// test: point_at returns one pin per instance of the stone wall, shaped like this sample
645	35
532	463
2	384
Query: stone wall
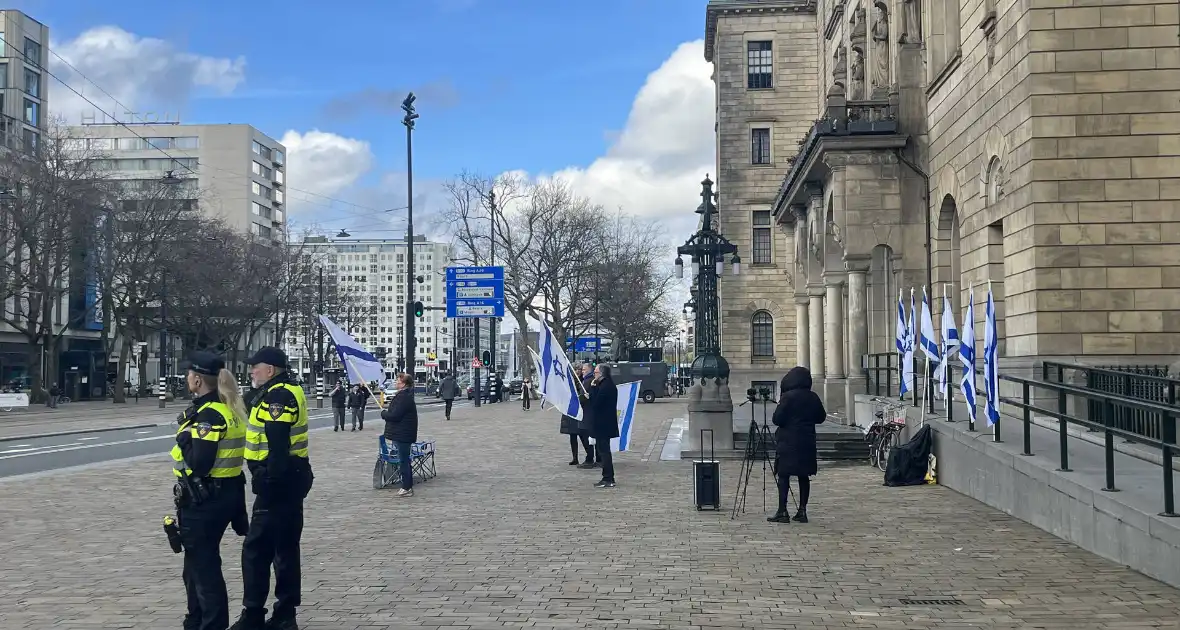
788	109
1055	143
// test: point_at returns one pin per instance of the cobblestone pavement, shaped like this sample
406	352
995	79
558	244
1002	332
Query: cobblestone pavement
509	536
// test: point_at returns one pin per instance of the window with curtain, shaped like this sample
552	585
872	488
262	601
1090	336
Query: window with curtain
762	334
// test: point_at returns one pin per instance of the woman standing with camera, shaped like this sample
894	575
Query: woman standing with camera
799	410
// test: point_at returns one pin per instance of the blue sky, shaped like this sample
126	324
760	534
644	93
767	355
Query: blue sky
536	85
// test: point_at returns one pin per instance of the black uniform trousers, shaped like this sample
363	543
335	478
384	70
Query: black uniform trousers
201	529
276	526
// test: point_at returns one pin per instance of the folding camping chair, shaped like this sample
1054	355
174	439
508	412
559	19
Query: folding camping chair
387	470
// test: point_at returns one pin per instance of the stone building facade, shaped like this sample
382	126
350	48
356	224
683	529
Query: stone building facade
1031	145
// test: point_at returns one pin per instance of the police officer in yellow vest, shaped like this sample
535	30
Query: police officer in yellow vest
281	477
210	488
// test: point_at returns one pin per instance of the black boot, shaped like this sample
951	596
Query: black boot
801	516
781	516
286	622
250	621
589	463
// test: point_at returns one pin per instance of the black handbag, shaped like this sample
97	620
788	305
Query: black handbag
569	425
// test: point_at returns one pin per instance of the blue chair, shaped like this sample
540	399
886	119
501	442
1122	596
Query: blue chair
387	470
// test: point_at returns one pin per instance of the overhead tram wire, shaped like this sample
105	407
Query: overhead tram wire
170	157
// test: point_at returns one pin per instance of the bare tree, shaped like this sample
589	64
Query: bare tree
49	200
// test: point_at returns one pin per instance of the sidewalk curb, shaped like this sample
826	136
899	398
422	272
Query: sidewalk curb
80	431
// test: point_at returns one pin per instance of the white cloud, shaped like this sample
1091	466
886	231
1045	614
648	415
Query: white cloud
139	72
656	163
323	163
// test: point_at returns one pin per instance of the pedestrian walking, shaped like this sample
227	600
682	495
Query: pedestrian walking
54	396
357	399
799	411
211	488
602	401
593	457
526	394
281	478
401	428
339	405
448	390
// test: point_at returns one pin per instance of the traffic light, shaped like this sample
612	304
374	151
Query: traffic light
487	357
418	309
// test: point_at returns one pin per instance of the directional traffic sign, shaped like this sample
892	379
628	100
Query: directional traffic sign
475	292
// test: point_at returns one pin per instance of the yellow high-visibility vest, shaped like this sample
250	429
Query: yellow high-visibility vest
257	448
229	434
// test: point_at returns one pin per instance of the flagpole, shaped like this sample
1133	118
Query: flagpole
927	386
948	371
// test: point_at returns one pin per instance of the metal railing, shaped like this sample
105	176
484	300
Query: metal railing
881	370
1166	414
1145	383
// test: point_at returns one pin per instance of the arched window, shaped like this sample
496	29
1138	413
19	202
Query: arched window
762	334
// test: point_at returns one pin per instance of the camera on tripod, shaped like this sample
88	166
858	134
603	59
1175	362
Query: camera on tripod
764	392
752	394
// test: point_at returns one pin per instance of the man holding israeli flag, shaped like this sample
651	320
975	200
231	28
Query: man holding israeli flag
967	356
950	341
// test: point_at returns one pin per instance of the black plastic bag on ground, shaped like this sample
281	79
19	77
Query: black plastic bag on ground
908	463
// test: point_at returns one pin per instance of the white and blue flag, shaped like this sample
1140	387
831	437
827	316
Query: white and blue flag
907	360
537	376
628	396
559	383
901	341
991	357
950	341
967	355
926	340
360	365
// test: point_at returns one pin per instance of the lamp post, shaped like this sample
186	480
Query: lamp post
408	121
707	250
319	350
492	341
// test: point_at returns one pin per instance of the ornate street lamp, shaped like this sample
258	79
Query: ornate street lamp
707	250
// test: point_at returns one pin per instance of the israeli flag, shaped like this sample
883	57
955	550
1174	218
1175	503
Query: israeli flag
901	342
907	359
927	341
950	341
558	380
628	396
991	352
360	365
967	355
537	376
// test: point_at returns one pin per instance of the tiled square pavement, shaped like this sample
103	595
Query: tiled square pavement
509	536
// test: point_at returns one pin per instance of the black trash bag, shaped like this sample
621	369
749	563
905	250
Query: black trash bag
909	462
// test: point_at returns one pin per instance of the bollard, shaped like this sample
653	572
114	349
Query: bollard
163	392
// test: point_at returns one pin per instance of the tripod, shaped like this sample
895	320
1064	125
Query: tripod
758	446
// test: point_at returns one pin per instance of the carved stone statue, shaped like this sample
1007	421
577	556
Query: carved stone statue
815	235
840	68
857	71
857	34
880	33
911	26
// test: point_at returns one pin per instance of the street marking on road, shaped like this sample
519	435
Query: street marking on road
141	432
87	438
18	450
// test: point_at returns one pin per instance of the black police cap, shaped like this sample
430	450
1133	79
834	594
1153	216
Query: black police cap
205	363
269	355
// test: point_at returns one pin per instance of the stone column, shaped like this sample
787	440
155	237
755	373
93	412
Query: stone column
815	307
858	328
834	382
802	331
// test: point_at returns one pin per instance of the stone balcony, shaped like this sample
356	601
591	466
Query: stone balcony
847	126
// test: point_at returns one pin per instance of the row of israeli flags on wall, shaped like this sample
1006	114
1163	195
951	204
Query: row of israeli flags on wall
561	387
941	350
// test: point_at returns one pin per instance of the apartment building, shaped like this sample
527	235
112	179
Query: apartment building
234	171
371	274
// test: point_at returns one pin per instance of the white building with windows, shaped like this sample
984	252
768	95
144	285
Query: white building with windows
24	87
236	172
372	272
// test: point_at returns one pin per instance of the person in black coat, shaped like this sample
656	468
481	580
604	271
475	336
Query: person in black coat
593	458
600	407
357	399
799	410
401	428
339	403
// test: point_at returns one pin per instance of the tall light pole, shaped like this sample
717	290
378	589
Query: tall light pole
163	337
707	250
319	350
492	341
408	121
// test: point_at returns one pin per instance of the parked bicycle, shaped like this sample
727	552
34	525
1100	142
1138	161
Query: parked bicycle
885	432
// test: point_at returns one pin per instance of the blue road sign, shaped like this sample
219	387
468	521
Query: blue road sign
475	292
584	344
